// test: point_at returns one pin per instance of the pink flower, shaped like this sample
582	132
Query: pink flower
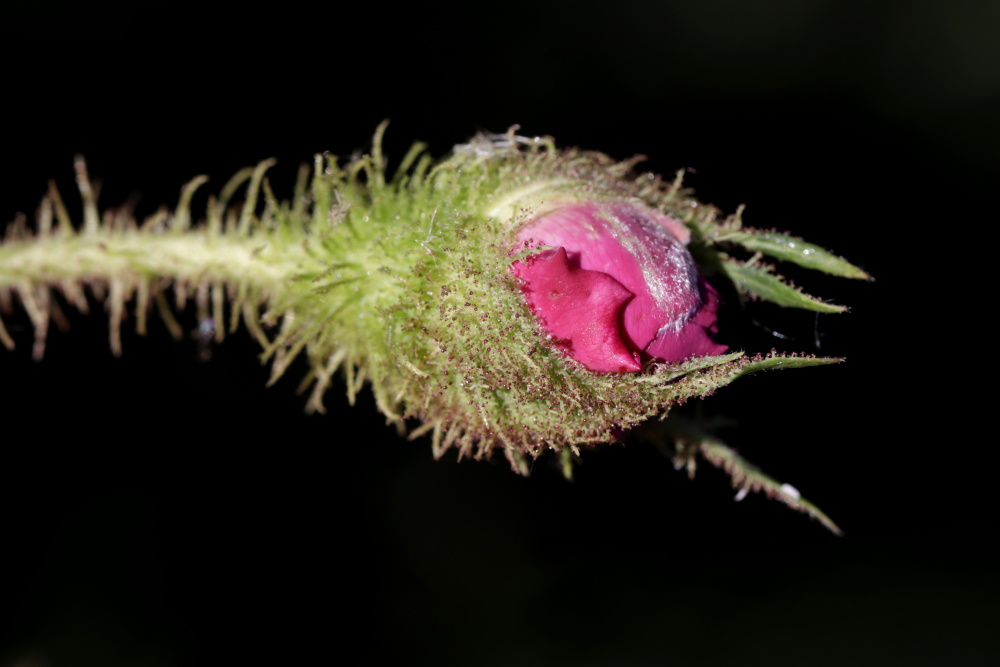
618	287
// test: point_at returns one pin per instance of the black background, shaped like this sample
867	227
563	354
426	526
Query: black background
156	509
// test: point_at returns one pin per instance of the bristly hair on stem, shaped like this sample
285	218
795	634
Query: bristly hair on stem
401	284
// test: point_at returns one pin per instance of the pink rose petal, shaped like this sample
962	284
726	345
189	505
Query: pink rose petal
671	313
580	308
695	338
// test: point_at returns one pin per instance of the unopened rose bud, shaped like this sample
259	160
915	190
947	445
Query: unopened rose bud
512	298
618	287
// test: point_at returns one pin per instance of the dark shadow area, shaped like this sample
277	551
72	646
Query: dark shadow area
161	510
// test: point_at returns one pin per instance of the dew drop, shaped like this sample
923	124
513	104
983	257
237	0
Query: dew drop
790	491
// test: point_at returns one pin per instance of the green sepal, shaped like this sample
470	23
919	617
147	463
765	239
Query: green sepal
793	249
686	439
663	372
725	370
780	362
747	477
759	280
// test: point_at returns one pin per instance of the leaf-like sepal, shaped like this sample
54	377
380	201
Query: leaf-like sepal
778	362
728	368
759	280
793	249
747	477
686	440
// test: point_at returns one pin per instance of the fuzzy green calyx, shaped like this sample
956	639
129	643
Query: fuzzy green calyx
402	283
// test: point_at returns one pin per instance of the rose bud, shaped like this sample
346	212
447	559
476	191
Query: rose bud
512	298
618	286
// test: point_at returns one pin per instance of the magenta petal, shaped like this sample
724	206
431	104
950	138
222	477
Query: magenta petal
636	249
671	314
578	307
694	339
